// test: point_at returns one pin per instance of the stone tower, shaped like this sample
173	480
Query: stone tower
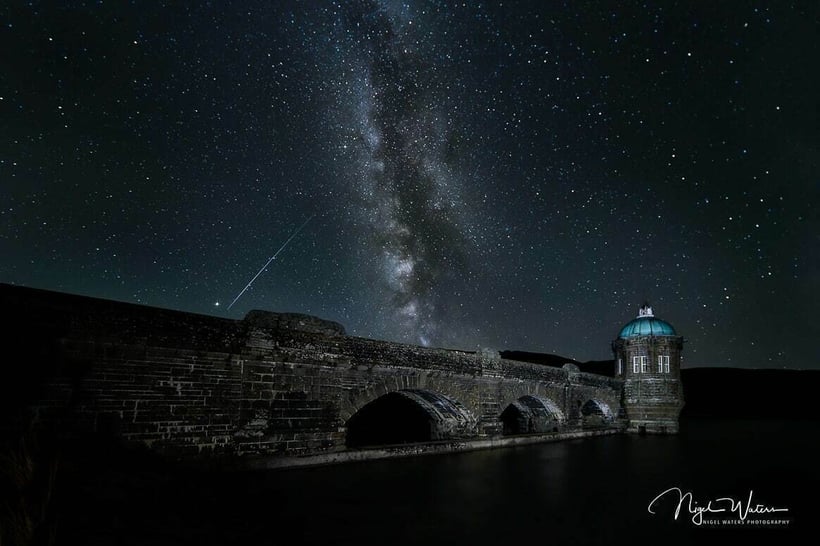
648	358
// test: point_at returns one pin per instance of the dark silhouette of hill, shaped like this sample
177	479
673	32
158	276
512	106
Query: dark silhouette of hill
600	367
537	358
738	392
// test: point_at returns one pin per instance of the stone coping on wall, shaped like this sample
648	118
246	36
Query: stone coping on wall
372	352
79	318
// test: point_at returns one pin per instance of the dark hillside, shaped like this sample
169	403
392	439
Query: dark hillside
737	392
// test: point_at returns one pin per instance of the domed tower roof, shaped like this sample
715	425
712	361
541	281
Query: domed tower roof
645	324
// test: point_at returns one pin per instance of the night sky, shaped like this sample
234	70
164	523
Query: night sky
472	175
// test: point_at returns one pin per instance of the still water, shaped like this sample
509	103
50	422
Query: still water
593	491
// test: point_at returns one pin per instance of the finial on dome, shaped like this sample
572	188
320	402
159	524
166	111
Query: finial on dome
645	310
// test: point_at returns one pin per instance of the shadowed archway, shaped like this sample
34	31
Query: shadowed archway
531	414
595	413
408	416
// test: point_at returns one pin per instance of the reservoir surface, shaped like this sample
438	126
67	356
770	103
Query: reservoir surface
588	491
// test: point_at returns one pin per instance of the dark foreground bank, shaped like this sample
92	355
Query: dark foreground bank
590	491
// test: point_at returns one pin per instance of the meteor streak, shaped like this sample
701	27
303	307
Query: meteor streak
281	248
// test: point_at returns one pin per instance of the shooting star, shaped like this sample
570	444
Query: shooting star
281	248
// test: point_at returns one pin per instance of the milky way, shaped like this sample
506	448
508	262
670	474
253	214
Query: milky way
410	195
482	175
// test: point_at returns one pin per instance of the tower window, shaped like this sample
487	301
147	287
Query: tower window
643	364
663	363
620	367
639	364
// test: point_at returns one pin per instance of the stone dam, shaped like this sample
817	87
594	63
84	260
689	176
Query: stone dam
273	389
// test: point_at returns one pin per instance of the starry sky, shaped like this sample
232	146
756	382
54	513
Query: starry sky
516	175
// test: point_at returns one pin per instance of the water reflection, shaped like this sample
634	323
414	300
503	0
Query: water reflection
591	491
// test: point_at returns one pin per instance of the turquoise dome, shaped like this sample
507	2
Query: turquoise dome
647	325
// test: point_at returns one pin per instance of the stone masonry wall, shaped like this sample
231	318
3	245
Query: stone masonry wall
273	384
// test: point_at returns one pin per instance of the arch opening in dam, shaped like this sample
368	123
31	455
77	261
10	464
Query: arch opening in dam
408	416
530	415
596	414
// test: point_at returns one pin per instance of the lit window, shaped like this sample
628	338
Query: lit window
643	364
620	367
663	363
636	364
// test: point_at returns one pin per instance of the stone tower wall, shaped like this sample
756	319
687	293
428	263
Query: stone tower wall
652	399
